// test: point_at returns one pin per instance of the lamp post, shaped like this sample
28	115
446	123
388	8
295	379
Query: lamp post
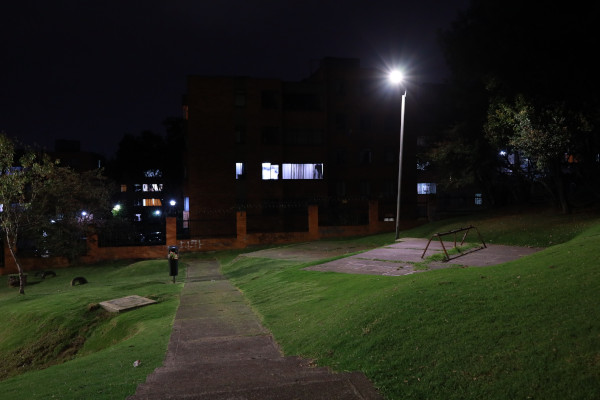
396	77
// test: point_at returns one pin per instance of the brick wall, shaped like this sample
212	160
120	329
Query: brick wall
241	240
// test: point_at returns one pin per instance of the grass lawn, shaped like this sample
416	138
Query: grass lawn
56	342
528	329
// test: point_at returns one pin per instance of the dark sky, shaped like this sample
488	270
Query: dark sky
94	70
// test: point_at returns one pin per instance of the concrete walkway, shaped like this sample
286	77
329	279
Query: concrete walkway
409	256
219	350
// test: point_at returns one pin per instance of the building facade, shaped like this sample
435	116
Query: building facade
272	148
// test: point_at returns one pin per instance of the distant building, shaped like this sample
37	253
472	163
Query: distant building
271	147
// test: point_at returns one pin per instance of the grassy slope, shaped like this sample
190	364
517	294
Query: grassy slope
525	329
55	322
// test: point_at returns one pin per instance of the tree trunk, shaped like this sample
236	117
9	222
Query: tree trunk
12	253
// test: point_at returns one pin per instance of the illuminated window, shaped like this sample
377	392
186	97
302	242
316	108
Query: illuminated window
123	188
153	187
153	173
478	199
302	171
186	212
270	171
240	170
151	202
426	188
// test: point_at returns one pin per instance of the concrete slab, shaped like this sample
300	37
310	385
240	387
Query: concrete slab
126	303
410	255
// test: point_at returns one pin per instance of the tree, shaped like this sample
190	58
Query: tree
545	137
541	89
44	202
138	154
21	183
72	203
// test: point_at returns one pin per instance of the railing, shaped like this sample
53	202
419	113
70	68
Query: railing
454	232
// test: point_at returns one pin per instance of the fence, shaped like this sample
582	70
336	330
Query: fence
99	251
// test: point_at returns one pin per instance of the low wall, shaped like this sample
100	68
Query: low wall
242	240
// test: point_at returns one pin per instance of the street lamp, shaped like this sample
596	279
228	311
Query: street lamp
396	77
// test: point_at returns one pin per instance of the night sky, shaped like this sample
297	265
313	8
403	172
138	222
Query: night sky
95	70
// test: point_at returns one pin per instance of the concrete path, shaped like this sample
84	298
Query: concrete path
219	350
406	257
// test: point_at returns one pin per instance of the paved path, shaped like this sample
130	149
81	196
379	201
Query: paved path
219	350
405	257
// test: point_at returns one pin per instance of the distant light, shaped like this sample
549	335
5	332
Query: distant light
83	213
502	153
396	76
172	202
117	207
157	212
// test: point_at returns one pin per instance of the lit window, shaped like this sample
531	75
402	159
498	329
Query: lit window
270	171
240	170
186	212
302	171
151	202
123	188
153	187
426	188
478	199
153	173
186	219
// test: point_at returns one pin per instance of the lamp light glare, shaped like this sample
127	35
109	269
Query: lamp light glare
396	76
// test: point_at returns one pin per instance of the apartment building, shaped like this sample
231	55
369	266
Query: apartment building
271	148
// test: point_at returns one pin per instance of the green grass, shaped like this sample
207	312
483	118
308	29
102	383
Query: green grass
56	342
528	329
530	227
525	329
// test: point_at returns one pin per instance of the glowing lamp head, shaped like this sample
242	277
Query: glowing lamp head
396	76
